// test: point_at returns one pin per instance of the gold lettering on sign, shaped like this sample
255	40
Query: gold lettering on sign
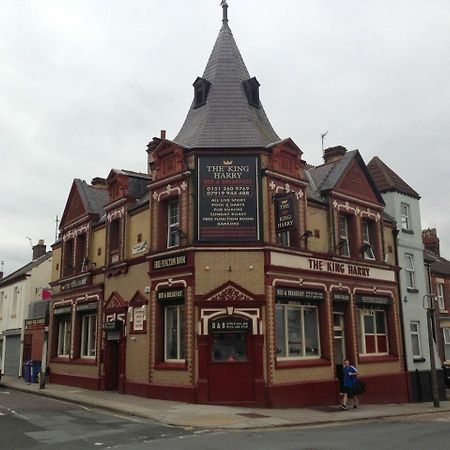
337	267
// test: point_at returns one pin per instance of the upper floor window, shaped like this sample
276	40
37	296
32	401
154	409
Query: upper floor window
343	245
201	89
2	299
284	238
414	327
405	217
440	295
410	271
114	241
15	301
68	268
81	254
367	245
251	88
173	223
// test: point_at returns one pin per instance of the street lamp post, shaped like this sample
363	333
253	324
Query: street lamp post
428	301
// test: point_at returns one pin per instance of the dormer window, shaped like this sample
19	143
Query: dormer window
201	88
251	88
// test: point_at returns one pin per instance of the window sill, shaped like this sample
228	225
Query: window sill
407	231
299	363
78	361
412	290
377	358
171	366
419	359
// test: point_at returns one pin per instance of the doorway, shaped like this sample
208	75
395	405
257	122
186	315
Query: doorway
339	344
112	360
231	363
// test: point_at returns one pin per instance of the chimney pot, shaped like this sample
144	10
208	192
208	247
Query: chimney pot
163	134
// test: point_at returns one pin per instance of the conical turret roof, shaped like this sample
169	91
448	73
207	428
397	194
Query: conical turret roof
227	118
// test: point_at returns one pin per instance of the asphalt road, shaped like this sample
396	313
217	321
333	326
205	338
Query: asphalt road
32	422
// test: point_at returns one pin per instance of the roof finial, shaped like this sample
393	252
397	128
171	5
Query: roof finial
224	6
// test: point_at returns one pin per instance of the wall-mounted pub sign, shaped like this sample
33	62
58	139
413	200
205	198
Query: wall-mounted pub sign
228	199
285	213
169	261
76	283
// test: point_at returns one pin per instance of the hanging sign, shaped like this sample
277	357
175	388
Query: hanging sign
285	215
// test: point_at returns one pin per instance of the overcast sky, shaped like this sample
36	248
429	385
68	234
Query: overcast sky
85	85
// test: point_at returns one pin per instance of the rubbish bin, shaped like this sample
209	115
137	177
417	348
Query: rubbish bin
35	367
27	371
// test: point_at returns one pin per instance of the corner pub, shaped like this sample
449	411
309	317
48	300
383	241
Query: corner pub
232	272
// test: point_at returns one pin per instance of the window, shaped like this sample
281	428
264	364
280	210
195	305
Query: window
344	248
410	275
440	295
446	332
15	301
88	335
64	334
68	258
373	336
201	88
174	348
173	224
367	246
415	339
404	216
114	241
80	255
284	238
251	88
2	299
229	346
297	331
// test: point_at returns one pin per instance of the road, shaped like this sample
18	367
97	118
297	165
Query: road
32	422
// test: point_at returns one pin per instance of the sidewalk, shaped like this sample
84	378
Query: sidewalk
210	416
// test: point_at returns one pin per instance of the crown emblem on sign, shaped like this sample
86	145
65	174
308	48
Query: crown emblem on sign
227	163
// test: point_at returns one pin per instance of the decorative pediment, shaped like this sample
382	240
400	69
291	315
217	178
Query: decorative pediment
229	292
115	302
75	207
138	299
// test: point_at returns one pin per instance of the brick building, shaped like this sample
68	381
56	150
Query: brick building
259	273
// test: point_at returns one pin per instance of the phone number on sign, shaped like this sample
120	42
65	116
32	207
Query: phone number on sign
227	190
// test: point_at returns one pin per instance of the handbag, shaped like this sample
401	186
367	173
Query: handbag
359	387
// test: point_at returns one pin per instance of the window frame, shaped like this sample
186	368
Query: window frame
173	228
416	334
344	249
65	343
405	221
446	340
284	238
301	307
410	271
372	312
440	293
86	335
368	254
181	333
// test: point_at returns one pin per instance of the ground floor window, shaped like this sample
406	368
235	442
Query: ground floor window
446	332
64	335
174	331
88	335
372	331
297	331
414	327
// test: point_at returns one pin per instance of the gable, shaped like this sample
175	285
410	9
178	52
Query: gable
356	183
74	208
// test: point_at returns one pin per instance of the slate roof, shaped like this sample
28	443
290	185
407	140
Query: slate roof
226	119
93	198
387	180
20	273
439	264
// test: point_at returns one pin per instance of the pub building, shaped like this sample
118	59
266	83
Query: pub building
261	272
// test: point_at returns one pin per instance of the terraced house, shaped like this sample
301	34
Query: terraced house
233	272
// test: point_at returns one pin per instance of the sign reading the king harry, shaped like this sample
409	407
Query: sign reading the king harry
285	213
228	199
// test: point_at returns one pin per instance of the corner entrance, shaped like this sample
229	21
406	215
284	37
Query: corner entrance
231	361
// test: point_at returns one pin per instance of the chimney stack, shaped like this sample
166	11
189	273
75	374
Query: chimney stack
333	154
431	241
99	183
39	249
163	134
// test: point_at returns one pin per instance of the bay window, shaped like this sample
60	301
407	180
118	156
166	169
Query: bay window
297	331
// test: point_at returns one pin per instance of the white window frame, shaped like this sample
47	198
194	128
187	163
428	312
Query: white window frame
284	238
15	301
343	235
415	334
405	216
64	336
446	335
301	308
372	313
368	253
173	223
88	342
2	301
410	271
440	295
181	330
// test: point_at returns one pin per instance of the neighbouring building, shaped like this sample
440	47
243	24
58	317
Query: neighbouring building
19	291
402	203
233	272
440	286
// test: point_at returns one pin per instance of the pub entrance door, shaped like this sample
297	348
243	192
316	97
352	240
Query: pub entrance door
231	363
112	360
339	344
